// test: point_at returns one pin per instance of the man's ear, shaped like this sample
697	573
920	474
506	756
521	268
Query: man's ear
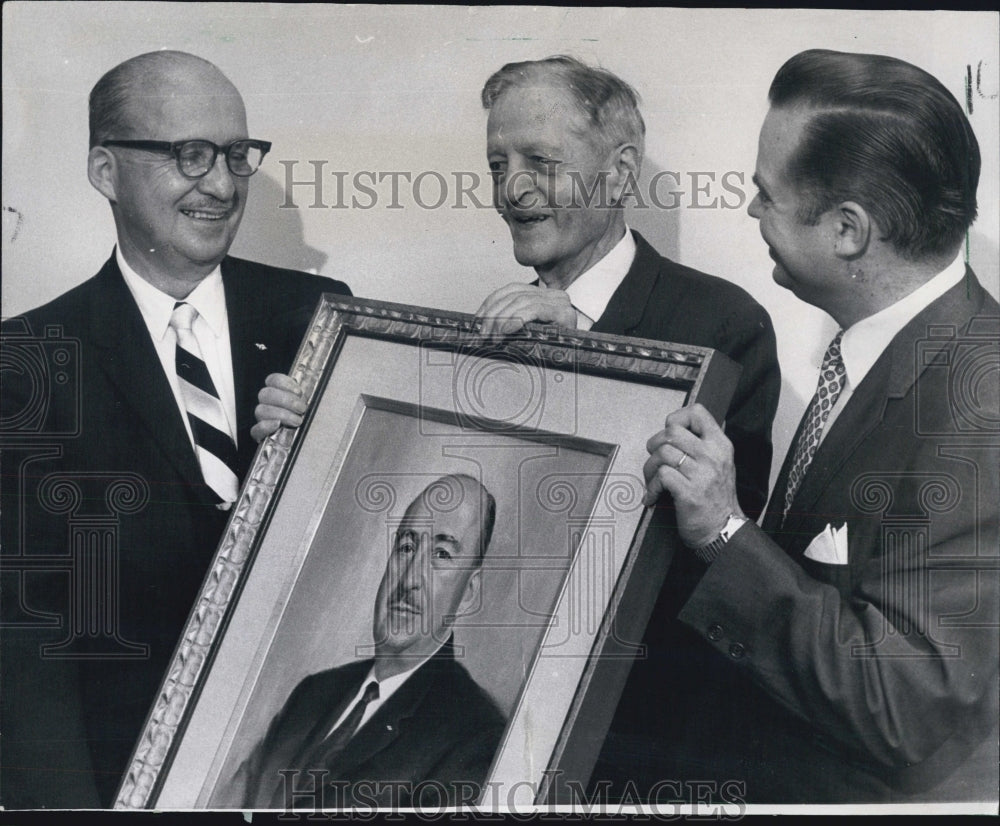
626	172
853	228
472	588
102	170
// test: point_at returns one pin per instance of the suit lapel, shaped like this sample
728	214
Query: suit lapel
343	686
251	333
892	376
386	724
242	310
128	358
862	414
627	304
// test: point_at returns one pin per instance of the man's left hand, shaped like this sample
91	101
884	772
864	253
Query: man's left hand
281	403
692	460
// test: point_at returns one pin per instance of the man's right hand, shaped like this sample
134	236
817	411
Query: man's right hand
281	403
507	310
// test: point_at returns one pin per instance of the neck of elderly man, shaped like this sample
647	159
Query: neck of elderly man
561	274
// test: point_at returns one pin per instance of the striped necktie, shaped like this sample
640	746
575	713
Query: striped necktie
214	445
831	381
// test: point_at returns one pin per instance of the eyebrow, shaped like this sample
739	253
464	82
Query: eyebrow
438	537
759	184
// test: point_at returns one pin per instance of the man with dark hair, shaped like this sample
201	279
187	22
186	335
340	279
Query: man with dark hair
565	145
110	524
855	634
411	720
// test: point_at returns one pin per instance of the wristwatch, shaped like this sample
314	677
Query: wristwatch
708	552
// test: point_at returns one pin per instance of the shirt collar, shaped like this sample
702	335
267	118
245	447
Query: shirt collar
866	340
592	289
208	298
390	684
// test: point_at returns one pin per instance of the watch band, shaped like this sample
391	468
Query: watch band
708	552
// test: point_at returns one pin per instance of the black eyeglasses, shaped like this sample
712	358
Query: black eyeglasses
195	158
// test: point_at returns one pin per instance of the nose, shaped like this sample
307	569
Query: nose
753	210
218	181
520	186
413	567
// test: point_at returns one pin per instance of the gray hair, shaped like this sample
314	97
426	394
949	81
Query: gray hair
608	102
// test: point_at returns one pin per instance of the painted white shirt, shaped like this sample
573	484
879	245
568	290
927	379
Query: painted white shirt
386	688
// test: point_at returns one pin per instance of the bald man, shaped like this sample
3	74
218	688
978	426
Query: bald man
170	343
410	726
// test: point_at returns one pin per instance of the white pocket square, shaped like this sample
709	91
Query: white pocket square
829	546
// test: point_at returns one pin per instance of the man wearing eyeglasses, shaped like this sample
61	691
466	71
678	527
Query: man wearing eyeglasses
175	339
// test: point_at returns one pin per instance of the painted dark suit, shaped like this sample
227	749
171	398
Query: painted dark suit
436	734
94	438
873	680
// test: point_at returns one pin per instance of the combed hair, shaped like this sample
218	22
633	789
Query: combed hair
111	95
889	136
608	102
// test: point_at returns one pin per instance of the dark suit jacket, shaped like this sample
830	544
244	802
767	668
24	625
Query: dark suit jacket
874	680
112	418
662	300
439	729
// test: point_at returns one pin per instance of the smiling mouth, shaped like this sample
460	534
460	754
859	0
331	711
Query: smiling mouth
207	215
526	220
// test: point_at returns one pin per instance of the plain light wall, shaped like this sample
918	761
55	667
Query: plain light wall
395	89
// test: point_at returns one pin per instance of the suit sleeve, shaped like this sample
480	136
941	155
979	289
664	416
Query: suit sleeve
247	788
877	668
747	337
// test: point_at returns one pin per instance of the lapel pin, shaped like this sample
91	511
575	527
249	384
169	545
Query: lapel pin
388	727
260	346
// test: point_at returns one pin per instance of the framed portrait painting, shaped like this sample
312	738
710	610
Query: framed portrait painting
459	523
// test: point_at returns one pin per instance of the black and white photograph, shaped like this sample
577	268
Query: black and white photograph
495	409
494	550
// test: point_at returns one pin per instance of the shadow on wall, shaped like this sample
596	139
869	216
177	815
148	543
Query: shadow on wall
984	258
658	221
272	235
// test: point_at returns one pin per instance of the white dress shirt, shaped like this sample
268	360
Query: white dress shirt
592	290
386	688
866	340
211	328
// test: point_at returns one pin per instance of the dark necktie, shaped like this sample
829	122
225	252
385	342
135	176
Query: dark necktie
831	381
214	444
322	755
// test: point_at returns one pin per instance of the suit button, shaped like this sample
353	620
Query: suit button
715	632
736	650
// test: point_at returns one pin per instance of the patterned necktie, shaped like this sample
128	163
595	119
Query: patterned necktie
214	445
831	381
